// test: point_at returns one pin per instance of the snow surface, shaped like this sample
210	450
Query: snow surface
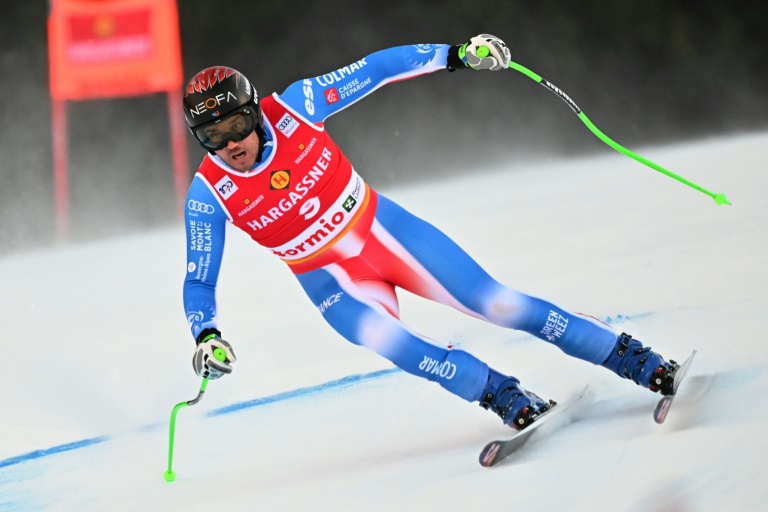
96	353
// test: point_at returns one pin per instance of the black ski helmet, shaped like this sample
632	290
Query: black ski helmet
216	92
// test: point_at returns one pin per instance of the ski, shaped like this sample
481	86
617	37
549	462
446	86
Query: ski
662	408
497	451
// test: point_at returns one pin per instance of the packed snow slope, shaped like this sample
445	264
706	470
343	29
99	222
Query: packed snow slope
96	352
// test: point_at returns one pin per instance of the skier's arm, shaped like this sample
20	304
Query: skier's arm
319	97
205	222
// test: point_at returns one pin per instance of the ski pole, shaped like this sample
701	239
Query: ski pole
169	475
719	198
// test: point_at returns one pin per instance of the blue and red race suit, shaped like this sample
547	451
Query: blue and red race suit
349	247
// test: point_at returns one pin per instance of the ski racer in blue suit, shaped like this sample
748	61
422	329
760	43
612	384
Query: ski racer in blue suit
274	172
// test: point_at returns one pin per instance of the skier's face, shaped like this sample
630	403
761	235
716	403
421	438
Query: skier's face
241	155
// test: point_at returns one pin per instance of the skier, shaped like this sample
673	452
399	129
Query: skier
273	171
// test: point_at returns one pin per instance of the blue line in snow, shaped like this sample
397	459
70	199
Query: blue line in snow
296	393
51	451
288	395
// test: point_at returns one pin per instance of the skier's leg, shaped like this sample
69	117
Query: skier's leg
365	311
416	256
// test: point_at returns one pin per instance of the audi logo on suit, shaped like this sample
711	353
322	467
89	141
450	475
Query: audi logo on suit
197	206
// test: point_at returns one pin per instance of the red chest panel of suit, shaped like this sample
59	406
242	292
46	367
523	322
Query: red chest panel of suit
301	198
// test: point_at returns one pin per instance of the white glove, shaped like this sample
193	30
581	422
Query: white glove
213	358
497	57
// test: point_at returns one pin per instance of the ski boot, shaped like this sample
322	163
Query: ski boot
516	406
630	360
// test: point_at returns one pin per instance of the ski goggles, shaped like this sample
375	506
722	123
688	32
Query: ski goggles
232	127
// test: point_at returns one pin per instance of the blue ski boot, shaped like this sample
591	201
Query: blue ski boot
516	406
630	360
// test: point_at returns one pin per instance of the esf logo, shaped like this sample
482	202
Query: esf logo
309	104
197	206
211	103
226	187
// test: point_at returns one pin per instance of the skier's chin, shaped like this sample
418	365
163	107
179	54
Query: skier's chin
241	160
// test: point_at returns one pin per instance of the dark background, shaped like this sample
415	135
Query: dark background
646	72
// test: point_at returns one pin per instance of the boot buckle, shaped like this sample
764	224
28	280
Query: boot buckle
486	401
623	343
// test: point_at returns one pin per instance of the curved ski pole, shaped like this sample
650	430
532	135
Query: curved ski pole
169	475
719	198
